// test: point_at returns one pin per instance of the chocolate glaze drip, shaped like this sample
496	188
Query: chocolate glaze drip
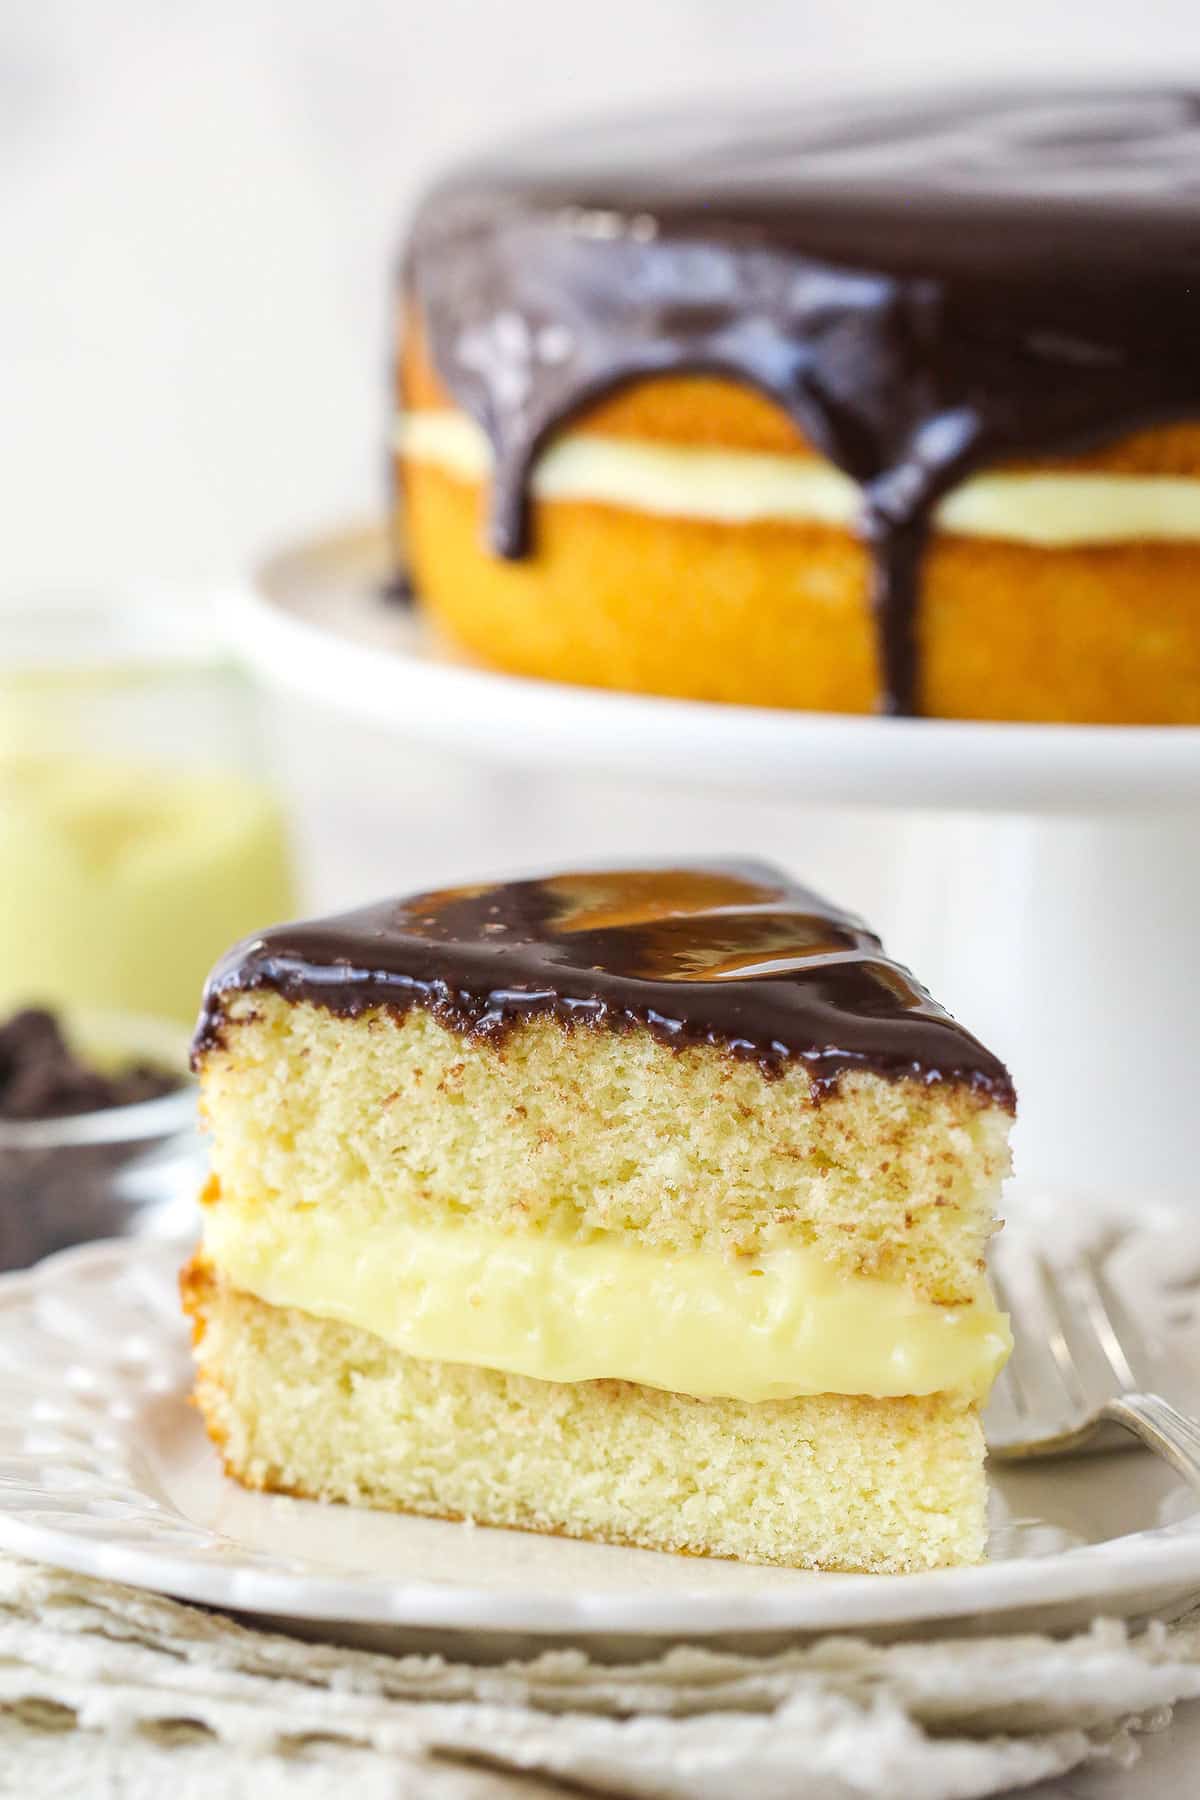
925	287
733	955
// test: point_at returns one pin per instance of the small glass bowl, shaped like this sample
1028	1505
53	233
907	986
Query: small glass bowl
119	1172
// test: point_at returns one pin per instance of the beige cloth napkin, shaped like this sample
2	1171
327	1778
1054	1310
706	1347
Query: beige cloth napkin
108	1691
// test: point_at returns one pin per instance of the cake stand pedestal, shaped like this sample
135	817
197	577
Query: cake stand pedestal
1046	886
1072	946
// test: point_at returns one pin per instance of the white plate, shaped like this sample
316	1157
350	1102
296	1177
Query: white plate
314	623
104	1469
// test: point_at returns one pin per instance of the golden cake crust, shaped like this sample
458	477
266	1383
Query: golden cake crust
777	613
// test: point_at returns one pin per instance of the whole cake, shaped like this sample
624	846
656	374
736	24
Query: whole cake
648	1206
848	407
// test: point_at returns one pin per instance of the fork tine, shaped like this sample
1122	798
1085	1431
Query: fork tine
1073	1384
1139	1337
1038	1373
1056	1322
1092	1302
1101	1362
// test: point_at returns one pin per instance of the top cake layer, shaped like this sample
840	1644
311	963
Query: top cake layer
733	955
927	287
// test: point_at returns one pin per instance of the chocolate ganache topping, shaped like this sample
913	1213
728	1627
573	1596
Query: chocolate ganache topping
730	954
925	286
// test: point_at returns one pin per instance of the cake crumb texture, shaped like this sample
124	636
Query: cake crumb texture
304	1406
585	1132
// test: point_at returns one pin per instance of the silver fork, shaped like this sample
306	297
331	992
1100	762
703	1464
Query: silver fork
1078	1379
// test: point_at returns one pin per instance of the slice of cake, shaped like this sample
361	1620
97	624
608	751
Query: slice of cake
646	1206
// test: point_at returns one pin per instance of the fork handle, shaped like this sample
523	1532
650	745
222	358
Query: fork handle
1161	1428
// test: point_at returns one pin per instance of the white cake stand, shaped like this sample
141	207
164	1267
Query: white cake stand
1049	887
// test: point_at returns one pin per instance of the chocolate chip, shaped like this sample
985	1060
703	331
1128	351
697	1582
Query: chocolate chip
41	1077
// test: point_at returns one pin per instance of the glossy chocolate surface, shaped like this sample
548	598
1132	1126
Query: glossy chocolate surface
734	955
926	287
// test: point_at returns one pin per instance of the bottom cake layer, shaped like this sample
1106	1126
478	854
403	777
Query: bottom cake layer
304	1406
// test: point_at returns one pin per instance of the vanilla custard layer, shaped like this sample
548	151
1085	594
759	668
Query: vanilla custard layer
739	486
771	1327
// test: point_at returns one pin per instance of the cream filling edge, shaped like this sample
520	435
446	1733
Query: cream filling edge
771	1327
739	487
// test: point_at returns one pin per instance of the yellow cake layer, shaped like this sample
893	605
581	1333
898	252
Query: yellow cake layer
776	612
313	1407
696	1322
388	1121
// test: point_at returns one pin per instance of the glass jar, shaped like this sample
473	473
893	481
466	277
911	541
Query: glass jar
139	836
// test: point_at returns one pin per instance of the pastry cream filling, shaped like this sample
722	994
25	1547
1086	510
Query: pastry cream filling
740	486
123	878
747	1328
